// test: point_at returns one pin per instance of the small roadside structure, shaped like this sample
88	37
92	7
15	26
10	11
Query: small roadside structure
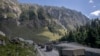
72	52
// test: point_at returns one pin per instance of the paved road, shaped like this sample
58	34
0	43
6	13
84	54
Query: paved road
51	53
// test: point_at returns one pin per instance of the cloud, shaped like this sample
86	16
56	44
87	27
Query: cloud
95	13
94	6
91	1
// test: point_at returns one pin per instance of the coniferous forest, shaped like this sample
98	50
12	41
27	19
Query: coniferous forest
88	35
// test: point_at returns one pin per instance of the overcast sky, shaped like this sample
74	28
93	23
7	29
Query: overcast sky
90	8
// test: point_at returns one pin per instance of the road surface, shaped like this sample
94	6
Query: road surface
49	53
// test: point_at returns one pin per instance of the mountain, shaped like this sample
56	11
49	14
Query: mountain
33	21
70	19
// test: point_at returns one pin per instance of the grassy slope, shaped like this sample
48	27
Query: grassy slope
52	36
38	35
15	49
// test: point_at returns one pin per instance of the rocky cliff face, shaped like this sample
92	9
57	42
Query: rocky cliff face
24	19
70	19
9	8
48	15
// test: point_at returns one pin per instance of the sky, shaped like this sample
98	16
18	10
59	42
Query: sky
90	8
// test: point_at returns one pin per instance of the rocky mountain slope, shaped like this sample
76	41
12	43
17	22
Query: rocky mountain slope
32	21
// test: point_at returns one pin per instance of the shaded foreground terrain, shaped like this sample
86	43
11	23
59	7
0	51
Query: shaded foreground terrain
9	48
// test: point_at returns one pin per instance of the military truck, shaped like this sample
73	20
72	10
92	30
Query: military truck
49	48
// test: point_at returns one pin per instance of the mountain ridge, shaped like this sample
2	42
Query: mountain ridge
36	21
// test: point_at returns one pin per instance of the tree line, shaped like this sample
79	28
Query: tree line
88	35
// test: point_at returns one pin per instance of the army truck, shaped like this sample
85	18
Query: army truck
49	47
